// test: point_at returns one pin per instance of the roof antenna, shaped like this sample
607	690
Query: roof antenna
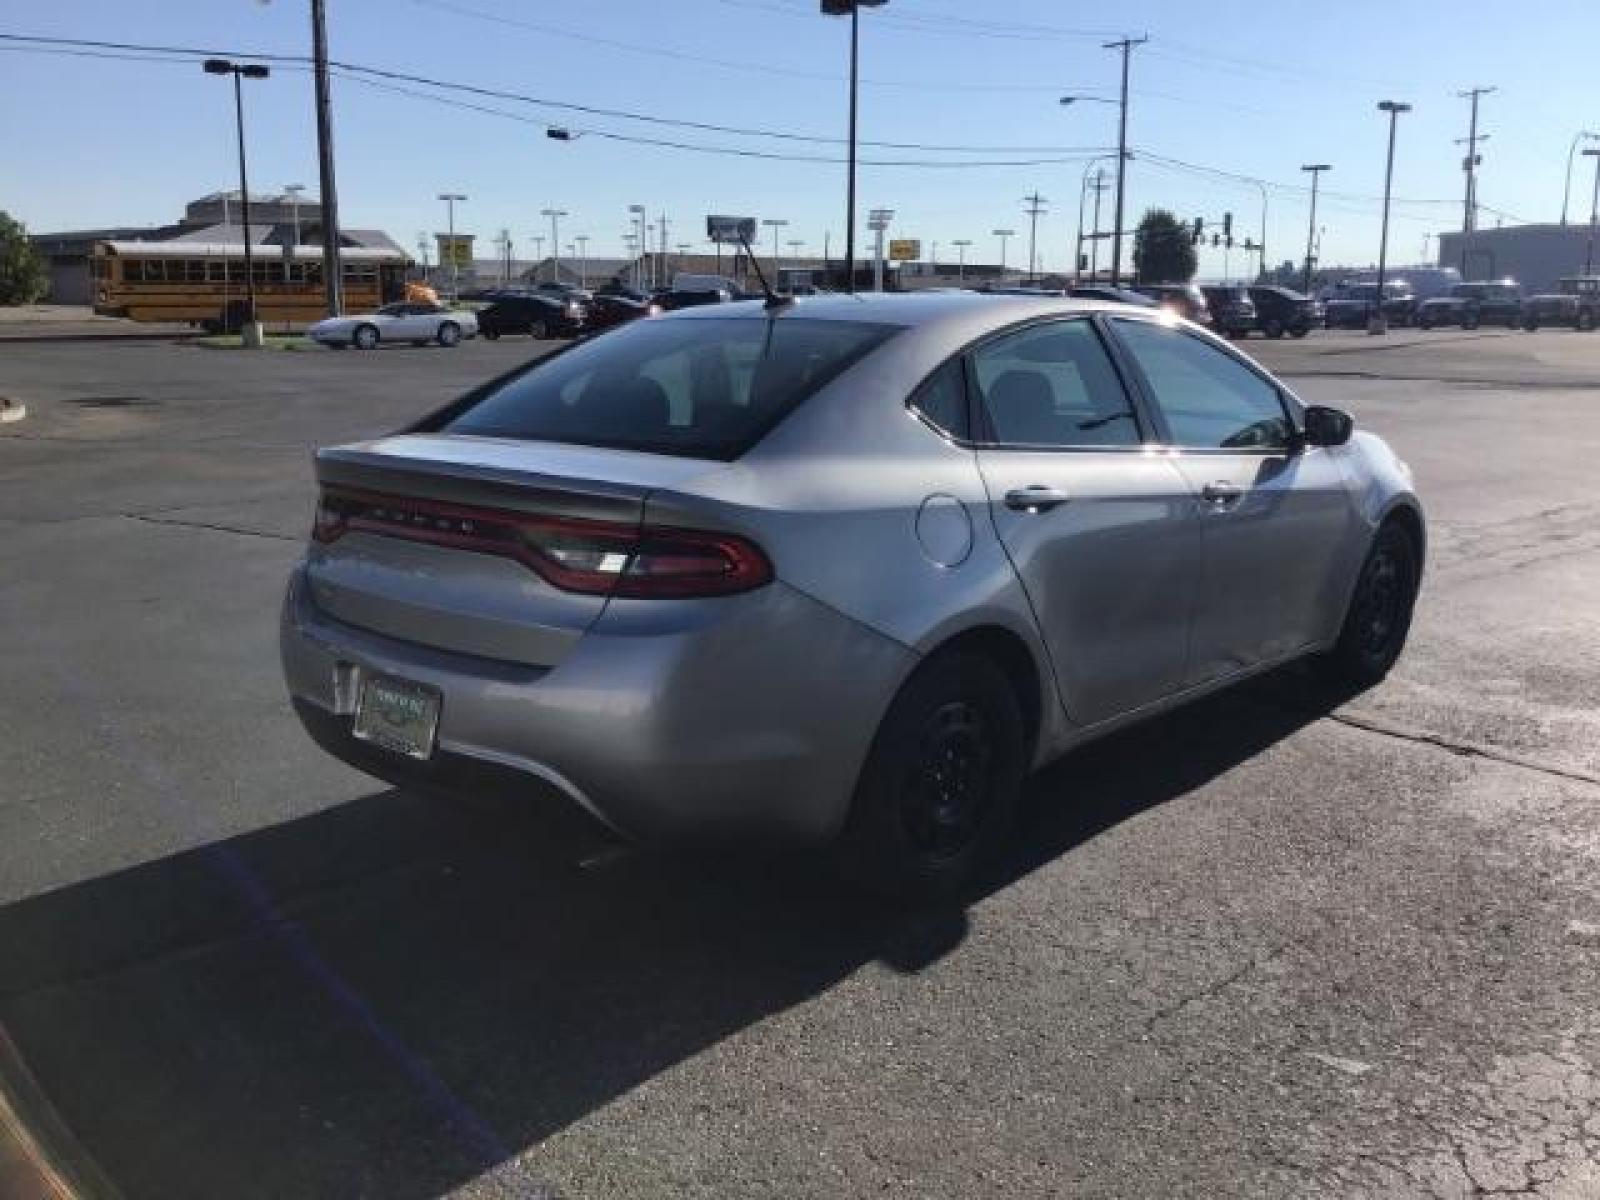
774	299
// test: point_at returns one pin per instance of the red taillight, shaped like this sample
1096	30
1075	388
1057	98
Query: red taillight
596	558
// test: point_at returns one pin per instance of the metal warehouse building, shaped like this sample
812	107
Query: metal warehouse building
1534	255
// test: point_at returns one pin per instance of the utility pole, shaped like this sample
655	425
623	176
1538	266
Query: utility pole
1125	45
1379	323
1469	215
1316	170
332	271
1033	205
1100	185
1003	234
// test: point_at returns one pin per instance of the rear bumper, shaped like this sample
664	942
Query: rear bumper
745	718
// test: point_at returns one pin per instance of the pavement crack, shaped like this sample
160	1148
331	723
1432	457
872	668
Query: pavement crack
1215	987
217	527
1464	749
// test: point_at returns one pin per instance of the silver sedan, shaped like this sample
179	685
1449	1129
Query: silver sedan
841	570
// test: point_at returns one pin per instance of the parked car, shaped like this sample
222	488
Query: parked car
615	287
1185	299
605	312
1115	295
1233	313
536	314
1471	304
703	577
1281	310
418	323
672	299
570	291
1575	302
1352	304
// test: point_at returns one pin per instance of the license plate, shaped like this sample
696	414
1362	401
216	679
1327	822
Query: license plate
399	716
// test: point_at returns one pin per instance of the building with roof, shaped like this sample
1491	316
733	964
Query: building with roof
1536	256
277	224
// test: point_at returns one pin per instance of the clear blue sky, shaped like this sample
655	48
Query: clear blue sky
1236	85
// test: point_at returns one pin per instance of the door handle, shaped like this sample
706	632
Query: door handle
1035	498
1221	492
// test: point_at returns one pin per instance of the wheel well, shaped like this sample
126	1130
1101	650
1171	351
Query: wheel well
1011	653
1407	519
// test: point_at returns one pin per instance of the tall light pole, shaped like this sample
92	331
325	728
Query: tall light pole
1566	192
1033	205
538	254
293	190
851	8
1262	248
422	253
1003	234
450	199
1125	45
1083	186
795	246
332	270
583	259
1378	323
638	267
1594	208
1316	170
961	245
555	215
250	336
775	224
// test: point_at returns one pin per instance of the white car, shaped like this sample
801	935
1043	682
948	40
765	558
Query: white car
419	323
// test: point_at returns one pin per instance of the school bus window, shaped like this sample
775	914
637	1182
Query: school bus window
194	271
217	272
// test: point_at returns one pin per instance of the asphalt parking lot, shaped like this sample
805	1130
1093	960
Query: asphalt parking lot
1280	944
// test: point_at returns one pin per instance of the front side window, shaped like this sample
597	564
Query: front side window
1053	385
702	389
1209	399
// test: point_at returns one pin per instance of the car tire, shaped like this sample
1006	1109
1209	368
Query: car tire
1585	321
1379	616
490	335
449	334
1424	322
1469	321
538	331
1513	322
365	337
1272	327
1300	331
934	803
1530	325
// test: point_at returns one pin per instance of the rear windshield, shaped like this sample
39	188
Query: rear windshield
702	388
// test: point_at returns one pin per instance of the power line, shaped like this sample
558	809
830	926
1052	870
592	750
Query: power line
562	105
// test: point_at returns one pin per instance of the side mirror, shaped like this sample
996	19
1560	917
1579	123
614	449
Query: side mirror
1328	426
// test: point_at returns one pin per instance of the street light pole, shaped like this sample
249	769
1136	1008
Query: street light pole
961	245
555	215
450	199
1594	209
1316	170
293	190
538	254
775	224
638	267
852	8
1126	45
1378	323
582	241
251	335
1003	234
1566	192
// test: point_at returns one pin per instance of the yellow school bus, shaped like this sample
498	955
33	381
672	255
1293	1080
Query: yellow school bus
204	284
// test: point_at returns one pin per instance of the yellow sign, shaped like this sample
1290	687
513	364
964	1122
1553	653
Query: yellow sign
454	250
904	249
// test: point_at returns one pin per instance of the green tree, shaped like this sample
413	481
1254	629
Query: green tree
22	275
1162	252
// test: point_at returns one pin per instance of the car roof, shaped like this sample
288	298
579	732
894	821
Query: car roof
909	309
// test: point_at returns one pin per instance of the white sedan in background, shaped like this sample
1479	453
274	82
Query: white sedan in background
408	321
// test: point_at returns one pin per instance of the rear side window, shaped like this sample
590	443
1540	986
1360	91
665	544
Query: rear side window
700	388
1053	385
942	400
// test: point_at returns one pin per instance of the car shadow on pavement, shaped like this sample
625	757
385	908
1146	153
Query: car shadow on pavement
390	997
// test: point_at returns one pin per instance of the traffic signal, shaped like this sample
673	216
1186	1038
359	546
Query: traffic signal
1199	230
1227	224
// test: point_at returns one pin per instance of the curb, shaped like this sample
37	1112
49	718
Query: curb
11	410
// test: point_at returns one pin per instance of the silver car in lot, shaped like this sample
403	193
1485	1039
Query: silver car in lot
841	570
